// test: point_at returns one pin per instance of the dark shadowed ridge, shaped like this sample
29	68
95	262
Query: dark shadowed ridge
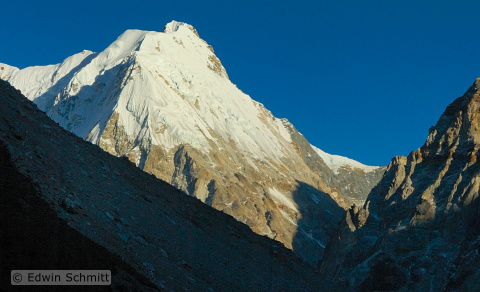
34	238
320	216
146	231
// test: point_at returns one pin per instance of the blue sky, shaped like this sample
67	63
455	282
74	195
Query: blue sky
362	79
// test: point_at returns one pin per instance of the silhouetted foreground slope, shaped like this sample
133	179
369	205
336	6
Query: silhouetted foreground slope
34	238
174	240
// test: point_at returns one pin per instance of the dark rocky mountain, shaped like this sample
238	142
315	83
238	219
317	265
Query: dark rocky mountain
420	227
66	203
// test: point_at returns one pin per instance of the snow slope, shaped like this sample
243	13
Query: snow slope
166	86
173	81
335	162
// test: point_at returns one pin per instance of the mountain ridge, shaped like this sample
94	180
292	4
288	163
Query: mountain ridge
419	225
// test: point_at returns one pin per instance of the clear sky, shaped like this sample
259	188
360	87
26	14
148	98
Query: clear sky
362	79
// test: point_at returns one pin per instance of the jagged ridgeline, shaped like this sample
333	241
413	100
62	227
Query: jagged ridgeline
67	204
164	101
420	227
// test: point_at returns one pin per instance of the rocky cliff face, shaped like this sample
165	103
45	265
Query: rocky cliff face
346	179
354	183
164	101
419	228
150	234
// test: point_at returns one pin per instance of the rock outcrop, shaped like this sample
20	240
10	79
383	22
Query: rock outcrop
419	228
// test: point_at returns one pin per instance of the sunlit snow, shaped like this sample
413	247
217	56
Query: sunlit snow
281	198
168	88
335	162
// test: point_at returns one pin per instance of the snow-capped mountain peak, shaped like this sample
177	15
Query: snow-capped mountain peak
174	26
164	100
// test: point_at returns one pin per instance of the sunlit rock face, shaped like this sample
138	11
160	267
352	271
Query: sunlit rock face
419	228
164	101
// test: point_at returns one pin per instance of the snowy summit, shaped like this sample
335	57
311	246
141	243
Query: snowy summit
164	100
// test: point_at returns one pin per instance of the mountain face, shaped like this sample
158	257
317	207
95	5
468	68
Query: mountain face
420	227
164	101
67	204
